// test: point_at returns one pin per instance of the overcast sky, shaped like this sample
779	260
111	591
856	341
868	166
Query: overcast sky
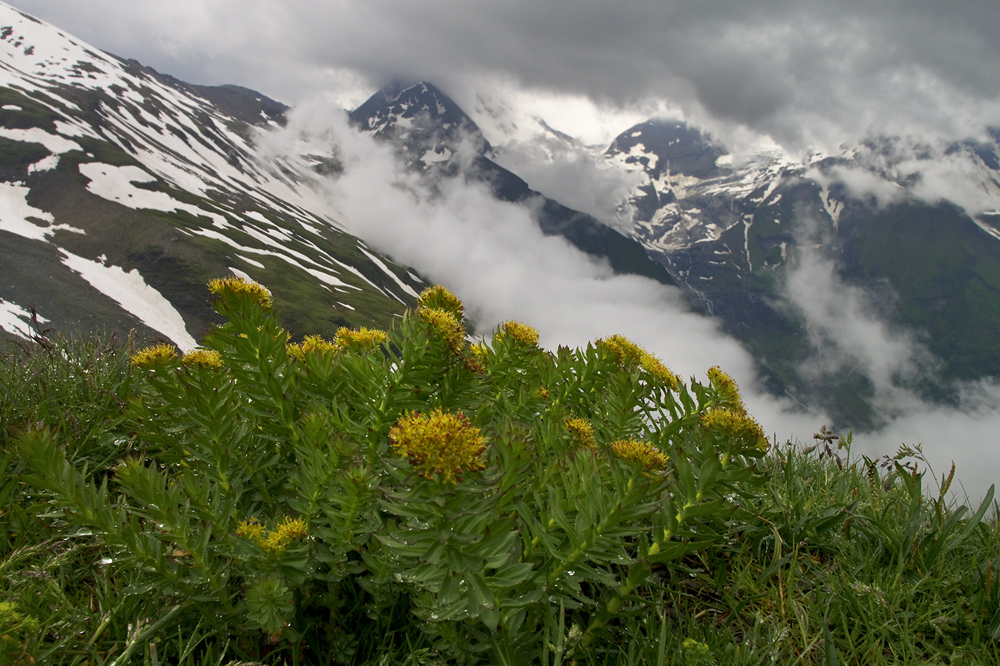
807	73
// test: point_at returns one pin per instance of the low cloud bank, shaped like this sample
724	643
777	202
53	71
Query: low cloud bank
850	332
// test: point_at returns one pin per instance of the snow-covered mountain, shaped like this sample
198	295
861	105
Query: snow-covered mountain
798	256
123	191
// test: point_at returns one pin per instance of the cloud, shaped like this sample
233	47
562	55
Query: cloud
574	176
807	73
849	330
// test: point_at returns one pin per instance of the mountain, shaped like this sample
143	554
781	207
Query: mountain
925	261
434	136
123	191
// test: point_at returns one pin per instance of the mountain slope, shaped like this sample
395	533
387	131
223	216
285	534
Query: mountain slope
124	191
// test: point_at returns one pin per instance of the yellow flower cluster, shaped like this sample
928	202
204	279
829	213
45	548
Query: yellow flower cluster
627	351
643	453
311	344
439	298
661	373
521	333
446	325
236	285
362	339
726	389
475	359
439	443
203	358
276	540
155	355
630	354
736	423
582	432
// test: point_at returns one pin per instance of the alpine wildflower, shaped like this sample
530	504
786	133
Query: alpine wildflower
362	339
627	351
439	443
726	389
154	356
737	424
439	298
311	344
257	293
276	540
582	432
644	453
203	358
446	325
520	333
658	371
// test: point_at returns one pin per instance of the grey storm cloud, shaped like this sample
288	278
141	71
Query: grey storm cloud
800	71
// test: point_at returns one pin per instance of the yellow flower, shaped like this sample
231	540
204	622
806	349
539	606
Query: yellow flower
643	453
661	373
522	333
311	344
735	423
439	298
364	339
627	351
446	325
439	443
156	355
630	354
235	285
726	390
205	358
582	432
276	540
251	529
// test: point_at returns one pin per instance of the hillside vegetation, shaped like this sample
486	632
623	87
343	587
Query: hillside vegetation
406	497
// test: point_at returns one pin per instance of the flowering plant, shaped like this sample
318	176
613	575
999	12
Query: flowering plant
504	500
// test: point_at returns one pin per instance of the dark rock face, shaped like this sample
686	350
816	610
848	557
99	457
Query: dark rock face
678	147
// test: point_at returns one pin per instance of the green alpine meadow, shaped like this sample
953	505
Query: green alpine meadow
411	497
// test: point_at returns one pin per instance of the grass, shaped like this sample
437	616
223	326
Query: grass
837	559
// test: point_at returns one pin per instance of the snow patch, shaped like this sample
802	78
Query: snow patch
385	269
131	292
54	143
251	261
116	184
15	211
15	319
